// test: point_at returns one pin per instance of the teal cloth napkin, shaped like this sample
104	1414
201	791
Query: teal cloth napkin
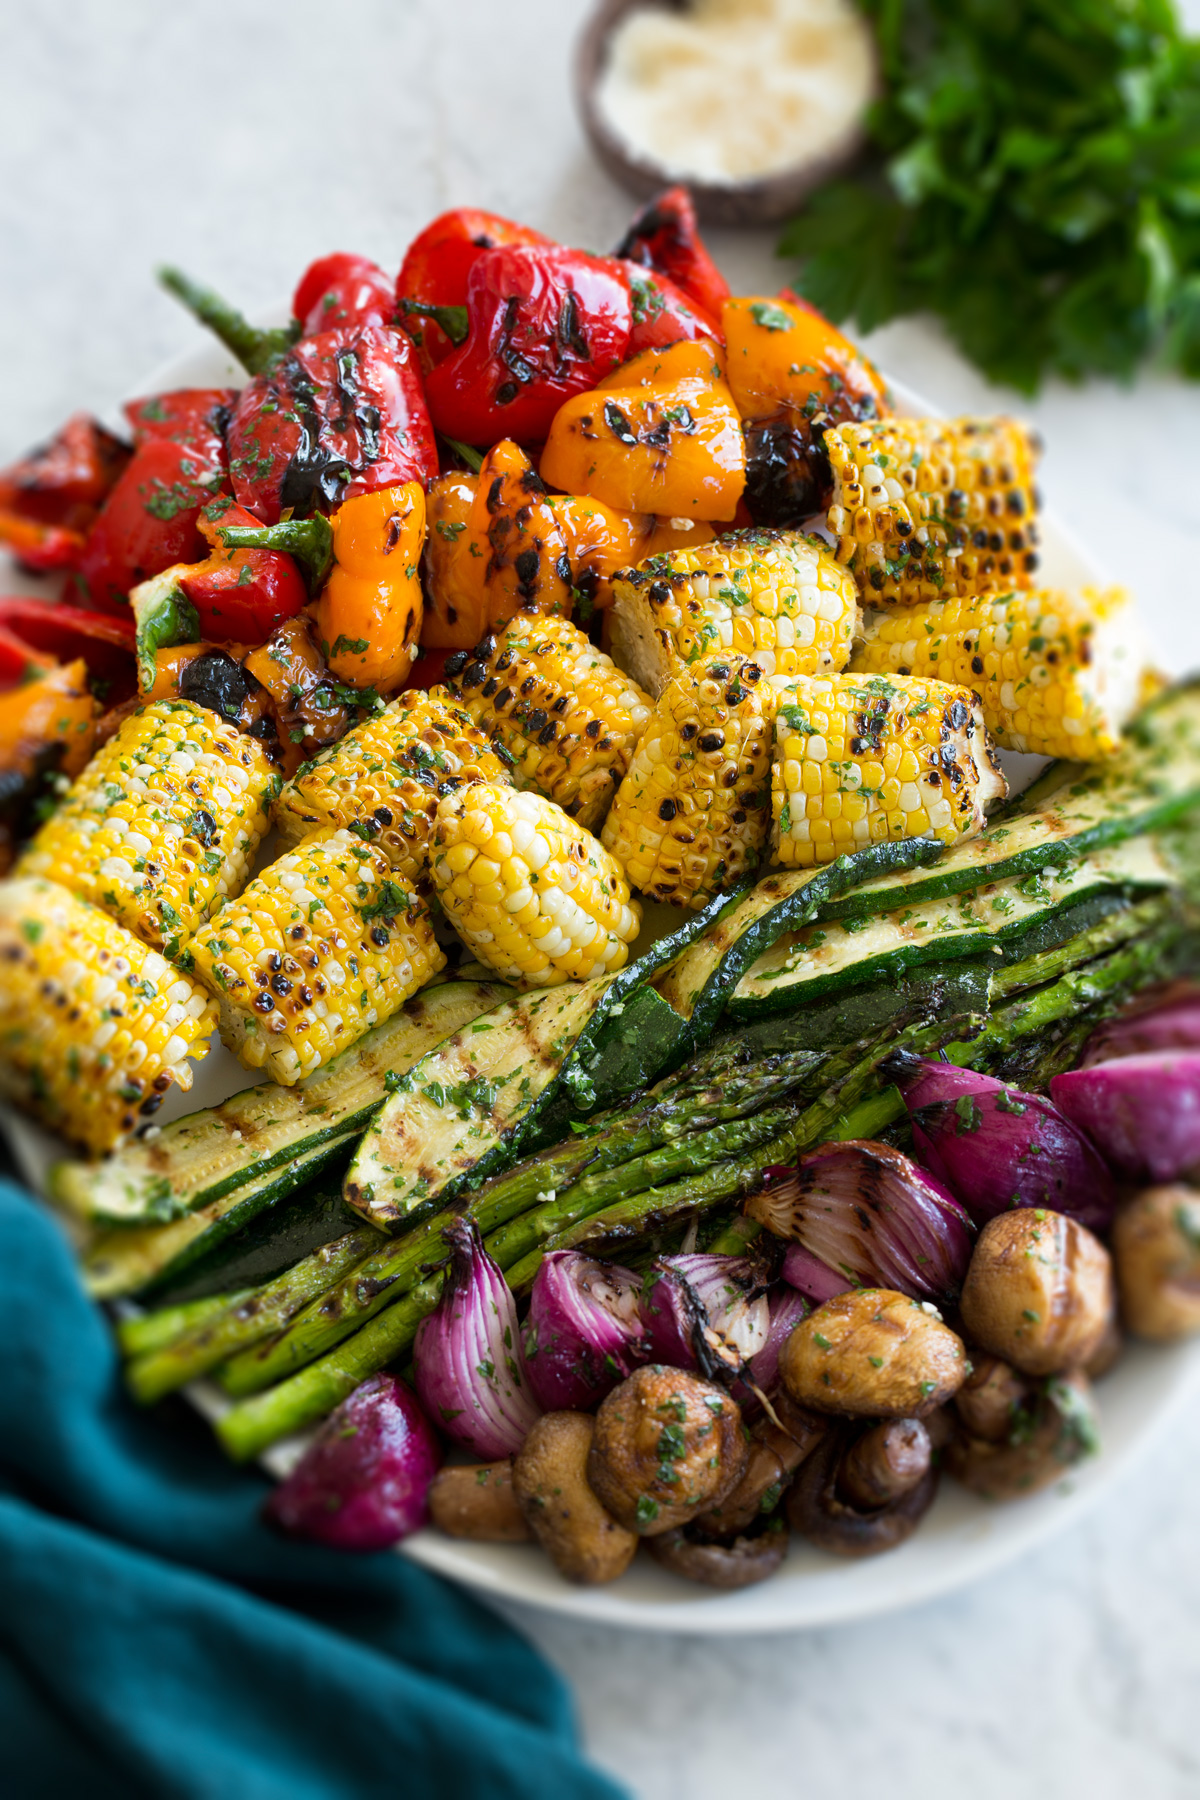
156	1639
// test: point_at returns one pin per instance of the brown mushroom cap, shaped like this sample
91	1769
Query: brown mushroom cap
550	1481
476	1501
1054	1431
667	1446
1156	1246
817	1510
777	1447
736	1563
1039	1291
873	1353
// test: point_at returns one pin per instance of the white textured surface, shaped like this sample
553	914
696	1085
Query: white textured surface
240	140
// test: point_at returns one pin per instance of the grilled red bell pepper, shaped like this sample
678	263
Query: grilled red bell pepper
64	634
339	291
49	499
663	314
325	418
541	324
41	548
64	481
241	596
437	265
664	236
341	414
148	521
19	661
198	418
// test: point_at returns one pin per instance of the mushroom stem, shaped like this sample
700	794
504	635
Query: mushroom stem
990	1399
884	1463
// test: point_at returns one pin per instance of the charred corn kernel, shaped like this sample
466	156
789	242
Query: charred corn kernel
164	822
692	815
531	892
384	779
1058	674
864	759
776	596
925	508
561	710
321	946
95	1026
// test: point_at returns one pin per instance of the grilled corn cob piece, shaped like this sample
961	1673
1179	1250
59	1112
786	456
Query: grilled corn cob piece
162	824
321	946
774	595
693	813
563	711
860	759
1058	675
384	779
531	892
924	508
94	1026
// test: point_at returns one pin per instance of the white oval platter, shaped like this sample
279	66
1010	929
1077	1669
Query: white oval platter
962	1538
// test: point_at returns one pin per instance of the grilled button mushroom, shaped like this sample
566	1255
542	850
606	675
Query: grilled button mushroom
722	1563
884	1463
550	1481
874	1354
1039	1291
1156	1245
476	1500
1108	1352
667	1447
863	1492
1053	1428
777	1447
990	1399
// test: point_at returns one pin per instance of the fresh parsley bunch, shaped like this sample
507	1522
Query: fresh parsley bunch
1035	183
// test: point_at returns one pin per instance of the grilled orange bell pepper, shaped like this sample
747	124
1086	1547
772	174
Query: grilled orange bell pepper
370	609
364	564
515	541
661	434
452	566
599	541
791	373
55	709
676	534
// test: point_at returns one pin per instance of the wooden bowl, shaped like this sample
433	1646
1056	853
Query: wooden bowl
763	201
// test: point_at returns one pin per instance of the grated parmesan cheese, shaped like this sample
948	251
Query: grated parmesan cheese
732	90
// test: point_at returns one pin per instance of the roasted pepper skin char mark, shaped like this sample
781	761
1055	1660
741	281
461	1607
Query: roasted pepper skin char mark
543	323
340	414
664	236
437	266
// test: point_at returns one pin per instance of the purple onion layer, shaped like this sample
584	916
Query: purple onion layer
583	1334
1172	1027
862	1214
471	1372
705	1312
996	1147
363	1482
1143	1111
